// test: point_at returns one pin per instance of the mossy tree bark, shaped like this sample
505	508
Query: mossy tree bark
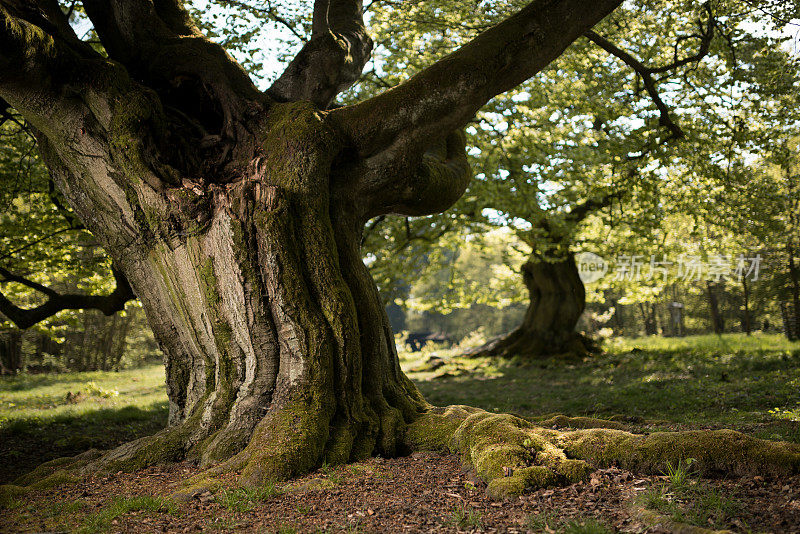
235	215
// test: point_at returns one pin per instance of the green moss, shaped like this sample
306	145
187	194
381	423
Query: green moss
433	431
166	446
9	495
59	478
573	470
500	488
209	282
714	451
289	441
340	444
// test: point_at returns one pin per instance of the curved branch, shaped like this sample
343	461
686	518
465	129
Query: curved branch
56	302
424	184
646	73
332	60
665	119
443	97
158	43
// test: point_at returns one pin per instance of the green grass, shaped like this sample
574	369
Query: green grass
48	416
245	499
692	501
101	521
680	475
746	383
464	517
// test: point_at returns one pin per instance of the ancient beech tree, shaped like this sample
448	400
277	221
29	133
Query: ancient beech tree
235	215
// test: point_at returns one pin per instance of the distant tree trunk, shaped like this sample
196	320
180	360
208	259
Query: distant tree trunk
648	311
557	300
619	323
746	319
10	351
717	321
119	342
794	276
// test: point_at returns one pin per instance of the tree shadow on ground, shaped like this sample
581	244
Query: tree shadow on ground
27	443
751	391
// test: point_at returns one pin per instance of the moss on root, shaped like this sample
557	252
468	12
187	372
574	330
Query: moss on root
49	473
513	455
715	451
562	421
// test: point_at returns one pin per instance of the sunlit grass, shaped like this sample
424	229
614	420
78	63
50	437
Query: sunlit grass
64	414
45	396
725	343
748	383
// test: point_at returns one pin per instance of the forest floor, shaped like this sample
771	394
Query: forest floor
750	384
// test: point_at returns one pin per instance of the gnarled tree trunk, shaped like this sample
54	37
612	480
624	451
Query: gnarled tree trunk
236	215
557	301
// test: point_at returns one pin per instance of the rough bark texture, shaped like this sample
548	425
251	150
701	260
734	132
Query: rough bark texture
236	216
557	300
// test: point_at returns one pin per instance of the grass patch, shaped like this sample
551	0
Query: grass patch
546	522
43	417
244	499
464	517
119	506
684	498
748	383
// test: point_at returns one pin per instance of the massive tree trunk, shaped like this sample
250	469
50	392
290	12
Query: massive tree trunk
278	352
236	215
557	300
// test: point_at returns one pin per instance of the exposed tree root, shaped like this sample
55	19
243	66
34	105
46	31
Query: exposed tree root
527	345
513	455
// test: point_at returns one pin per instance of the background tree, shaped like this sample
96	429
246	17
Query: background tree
602	119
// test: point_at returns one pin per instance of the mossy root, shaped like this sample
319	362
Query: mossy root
514	455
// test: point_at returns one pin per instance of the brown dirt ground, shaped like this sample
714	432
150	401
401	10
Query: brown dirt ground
419	493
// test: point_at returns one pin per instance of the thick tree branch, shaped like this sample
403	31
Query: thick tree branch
332	60
159	45
421	184
443	97
396	134
56	302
